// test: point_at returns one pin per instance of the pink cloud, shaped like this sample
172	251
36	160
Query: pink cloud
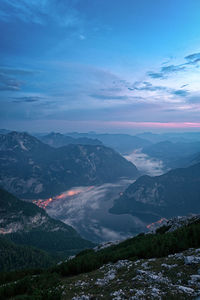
102	126
155	124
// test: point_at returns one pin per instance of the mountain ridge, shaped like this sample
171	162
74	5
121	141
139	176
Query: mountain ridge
24	223
58	140
152	198
32	169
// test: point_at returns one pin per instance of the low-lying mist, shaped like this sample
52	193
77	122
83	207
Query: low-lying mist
88	213
87	208
146	164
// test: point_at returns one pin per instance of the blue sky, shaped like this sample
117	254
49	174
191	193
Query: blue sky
104	65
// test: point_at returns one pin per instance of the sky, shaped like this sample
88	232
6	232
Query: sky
100	65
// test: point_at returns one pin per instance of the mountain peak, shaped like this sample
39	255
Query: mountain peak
18	141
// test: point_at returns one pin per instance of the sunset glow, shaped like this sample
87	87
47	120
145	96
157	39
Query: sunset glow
157	124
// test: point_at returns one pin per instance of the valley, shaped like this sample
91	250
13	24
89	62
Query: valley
87	210
86	207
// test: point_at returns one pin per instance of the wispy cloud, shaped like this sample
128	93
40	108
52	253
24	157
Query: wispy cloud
182	93
27	99
109	97
8	83
101	95
16	71
172	69
166	71
193	58
155	75
61	12
149	87
88	212
12	79
167	125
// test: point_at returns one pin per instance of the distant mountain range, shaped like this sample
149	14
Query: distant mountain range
32	169
174	150
24	223
151	198
174	137
123	143
58	140
173	154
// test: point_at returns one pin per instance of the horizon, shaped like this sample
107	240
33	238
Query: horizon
70	65
132	133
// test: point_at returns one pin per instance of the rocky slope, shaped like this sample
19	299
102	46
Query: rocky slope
31	169
152	198
162	265
25	223
176	276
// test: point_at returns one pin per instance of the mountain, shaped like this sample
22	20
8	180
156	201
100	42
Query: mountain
26	224
159	265
123	143
4	131
152	198
188	160
151	137
171	153
32	169
58	140
15	257
174	137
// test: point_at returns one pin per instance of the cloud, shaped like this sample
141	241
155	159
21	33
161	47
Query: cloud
88	213
166	71
172	69
110	235
101	95
61	12
193	58
27	99
11	78
147	86
184	85
8	83
146	164
155	75
16	71
108	97
182	93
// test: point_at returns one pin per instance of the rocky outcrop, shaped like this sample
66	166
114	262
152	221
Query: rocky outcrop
155	278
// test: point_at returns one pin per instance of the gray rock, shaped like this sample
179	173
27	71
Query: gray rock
189	260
